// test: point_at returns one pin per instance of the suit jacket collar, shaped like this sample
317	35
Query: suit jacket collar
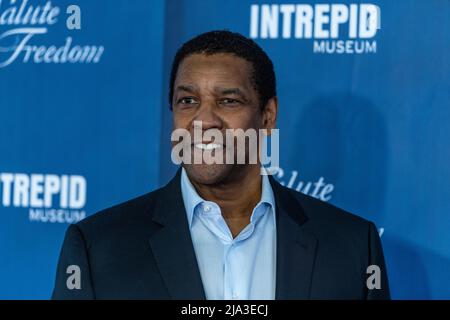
175	256
296	246
172	245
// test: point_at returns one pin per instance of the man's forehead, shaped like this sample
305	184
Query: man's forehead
217	60
218	71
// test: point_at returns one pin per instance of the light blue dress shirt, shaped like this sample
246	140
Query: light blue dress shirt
243	268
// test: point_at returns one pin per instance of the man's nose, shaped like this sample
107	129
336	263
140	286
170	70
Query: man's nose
208	117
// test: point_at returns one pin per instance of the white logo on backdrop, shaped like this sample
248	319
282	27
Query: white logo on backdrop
333	28
319	189
27	23
48	197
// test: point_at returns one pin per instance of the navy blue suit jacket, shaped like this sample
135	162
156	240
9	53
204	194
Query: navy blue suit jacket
142	249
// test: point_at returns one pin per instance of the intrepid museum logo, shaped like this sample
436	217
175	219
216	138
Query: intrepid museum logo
332	28
48	197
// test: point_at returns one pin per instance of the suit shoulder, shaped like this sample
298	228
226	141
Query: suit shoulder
120	216
327	214
334	227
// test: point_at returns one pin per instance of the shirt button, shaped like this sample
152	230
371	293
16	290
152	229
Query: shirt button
206	208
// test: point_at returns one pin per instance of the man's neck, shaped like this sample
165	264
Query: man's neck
237	197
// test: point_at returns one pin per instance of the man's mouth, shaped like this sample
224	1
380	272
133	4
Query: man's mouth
208	146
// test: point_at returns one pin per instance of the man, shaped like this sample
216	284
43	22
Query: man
222	230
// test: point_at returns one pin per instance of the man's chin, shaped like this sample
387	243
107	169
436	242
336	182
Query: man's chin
208	174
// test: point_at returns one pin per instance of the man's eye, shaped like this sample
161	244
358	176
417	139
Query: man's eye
229	102
187	101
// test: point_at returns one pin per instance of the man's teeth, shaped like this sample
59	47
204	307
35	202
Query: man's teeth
208	146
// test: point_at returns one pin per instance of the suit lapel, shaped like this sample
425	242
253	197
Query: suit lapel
172	245
296	247
175	256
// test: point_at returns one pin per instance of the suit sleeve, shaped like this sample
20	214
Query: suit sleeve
376	259
73	278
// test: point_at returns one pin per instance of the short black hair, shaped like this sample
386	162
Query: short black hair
224	41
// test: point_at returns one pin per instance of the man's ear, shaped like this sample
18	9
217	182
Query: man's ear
270	114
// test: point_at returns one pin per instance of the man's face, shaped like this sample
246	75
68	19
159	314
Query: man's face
216	90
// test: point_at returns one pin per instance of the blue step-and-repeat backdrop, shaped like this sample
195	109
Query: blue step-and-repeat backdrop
364	91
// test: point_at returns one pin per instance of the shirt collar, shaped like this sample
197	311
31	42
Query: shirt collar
267	192
192	199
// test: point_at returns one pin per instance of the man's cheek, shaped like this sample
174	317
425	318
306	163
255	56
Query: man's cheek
179	124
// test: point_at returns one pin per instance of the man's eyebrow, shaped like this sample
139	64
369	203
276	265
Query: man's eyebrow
235	91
